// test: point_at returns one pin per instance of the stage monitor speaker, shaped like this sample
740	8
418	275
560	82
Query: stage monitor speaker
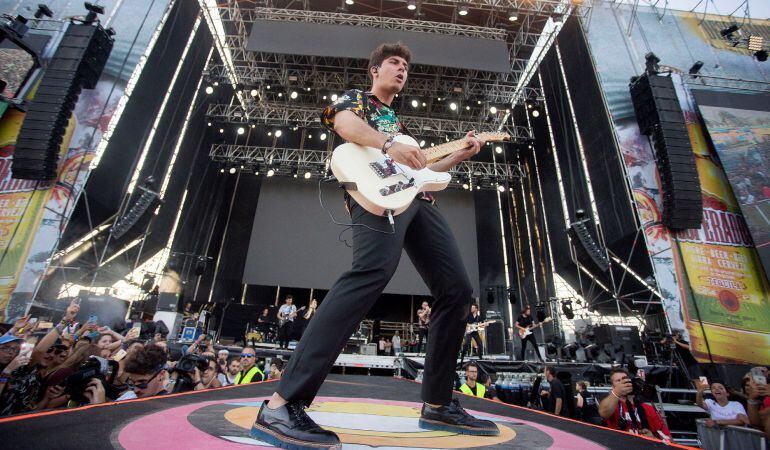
77	63
579	232
168	301
659	116
495	339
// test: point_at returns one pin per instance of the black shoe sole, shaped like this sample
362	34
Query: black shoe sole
270	437
434	425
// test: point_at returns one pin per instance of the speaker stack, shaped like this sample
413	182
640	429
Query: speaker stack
659	116
578	231
495	338
77	63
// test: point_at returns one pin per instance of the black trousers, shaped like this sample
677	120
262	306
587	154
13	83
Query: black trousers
284	334
428	241
531	340
421	333
468	348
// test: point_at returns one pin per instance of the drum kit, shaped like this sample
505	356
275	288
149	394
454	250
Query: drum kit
262	333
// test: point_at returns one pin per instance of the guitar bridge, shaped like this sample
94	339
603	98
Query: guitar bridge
383	170
398	187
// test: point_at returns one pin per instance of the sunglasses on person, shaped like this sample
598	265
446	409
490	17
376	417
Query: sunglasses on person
247	355
131	384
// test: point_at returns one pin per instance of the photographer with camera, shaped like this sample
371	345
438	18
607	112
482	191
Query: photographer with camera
623	411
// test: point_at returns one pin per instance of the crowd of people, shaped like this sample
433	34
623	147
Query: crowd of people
78	363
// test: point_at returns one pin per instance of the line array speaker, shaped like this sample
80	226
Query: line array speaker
659	116
77	63
579	232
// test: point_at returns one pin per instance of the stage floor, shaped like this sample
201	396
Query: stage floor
367	412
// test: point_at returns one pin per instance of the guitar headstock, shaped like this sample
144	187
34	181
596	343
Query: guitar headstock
494	136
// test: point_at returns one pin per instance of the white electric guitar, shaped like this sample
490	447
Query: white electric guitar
379	184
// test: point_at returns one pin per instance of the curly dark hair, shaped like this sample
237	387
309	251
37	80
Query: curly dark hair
384	51
146	361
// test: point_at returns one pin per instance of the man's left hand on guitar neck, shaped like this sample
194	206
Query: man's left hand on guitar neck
457	157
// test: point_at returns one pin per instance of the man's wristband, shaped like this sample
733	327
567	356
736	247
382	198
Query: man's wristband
386	146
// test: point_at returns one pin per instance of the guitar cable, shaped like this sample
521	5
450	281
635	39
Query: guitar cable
349	225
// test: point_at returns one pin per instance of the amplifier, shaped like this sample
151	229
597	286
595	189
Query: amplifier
618	335
495	338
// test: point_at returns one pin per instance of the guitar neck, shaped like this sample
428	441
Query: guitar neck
435	153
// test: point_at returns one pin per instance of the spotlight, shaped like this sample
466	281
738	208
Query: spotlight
728	31
465	186
268	87
493	110
221	130
566	308
513	17
216	83
270	172
324	97
308	89
411	5
280	94
498	150
254	92
293	95
696	68
307	175
453	106
415	103
463	10
278	133
232	170
756	43
651	63
241	130
269	133
222	170
761	55
349	2
334	97
209	90
467	108
209	124
253	126
424	104
323	136
478	187
535	113
310	136
294	173
422	143
501	188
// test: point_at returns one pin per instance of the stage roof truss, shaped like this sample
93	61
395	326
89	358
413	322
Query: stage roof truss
291	161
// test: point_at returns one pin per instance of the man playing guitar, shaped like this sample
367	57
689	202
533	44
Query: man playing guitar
286	315
366	119
525	324
473	323
423	325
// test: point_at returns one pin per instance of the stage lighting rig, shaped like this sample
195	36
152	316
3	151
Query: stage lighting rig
411	5
732	34
93	12
43	11
463	11
566	308
761	55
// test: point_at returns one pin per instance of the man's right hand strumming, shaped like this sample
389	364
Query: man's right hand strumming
407	154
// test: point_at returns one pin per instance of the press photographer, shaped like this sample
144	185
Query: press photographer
623	409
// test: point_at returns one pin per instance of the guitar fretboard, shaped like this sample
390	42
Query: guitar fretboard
442	150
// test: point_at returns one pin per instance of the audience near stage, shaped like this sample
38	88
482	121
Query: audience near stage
758	402
250	372
721	410
623	411
555	401
276	369
474	385
586	405
233	367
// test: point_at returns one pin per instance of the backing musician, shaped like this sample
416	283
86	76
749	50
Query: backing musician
423	315
526	323
286	315
472	333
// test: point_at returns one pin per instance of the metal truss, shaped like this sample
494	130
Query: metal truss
387	23
273	114
292	161
253	67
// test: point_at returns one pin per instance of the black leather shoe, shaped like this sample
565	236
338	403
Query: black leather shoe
291	428
453	418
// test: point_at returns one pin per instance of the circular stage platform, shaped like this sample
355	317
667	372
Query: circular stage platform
366	412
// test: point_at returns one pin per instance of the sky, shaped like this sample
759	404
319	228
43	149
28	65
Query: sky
758	9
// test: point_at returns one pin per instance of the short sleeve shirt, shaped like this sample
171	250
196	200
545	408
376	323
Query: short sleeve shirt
286	310
727	412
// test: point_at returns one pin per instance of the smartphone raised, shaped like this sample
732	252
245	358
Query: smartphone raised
758	375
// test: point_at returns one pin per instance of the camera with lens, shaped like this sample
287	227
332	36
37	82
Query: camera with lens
642	388
184	369
94	367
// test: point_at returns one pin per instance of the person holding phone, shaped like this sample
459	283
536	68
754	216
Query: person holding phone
758	399
720	409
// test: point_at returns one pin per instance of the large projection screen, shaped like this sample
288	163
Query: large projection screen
294	243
